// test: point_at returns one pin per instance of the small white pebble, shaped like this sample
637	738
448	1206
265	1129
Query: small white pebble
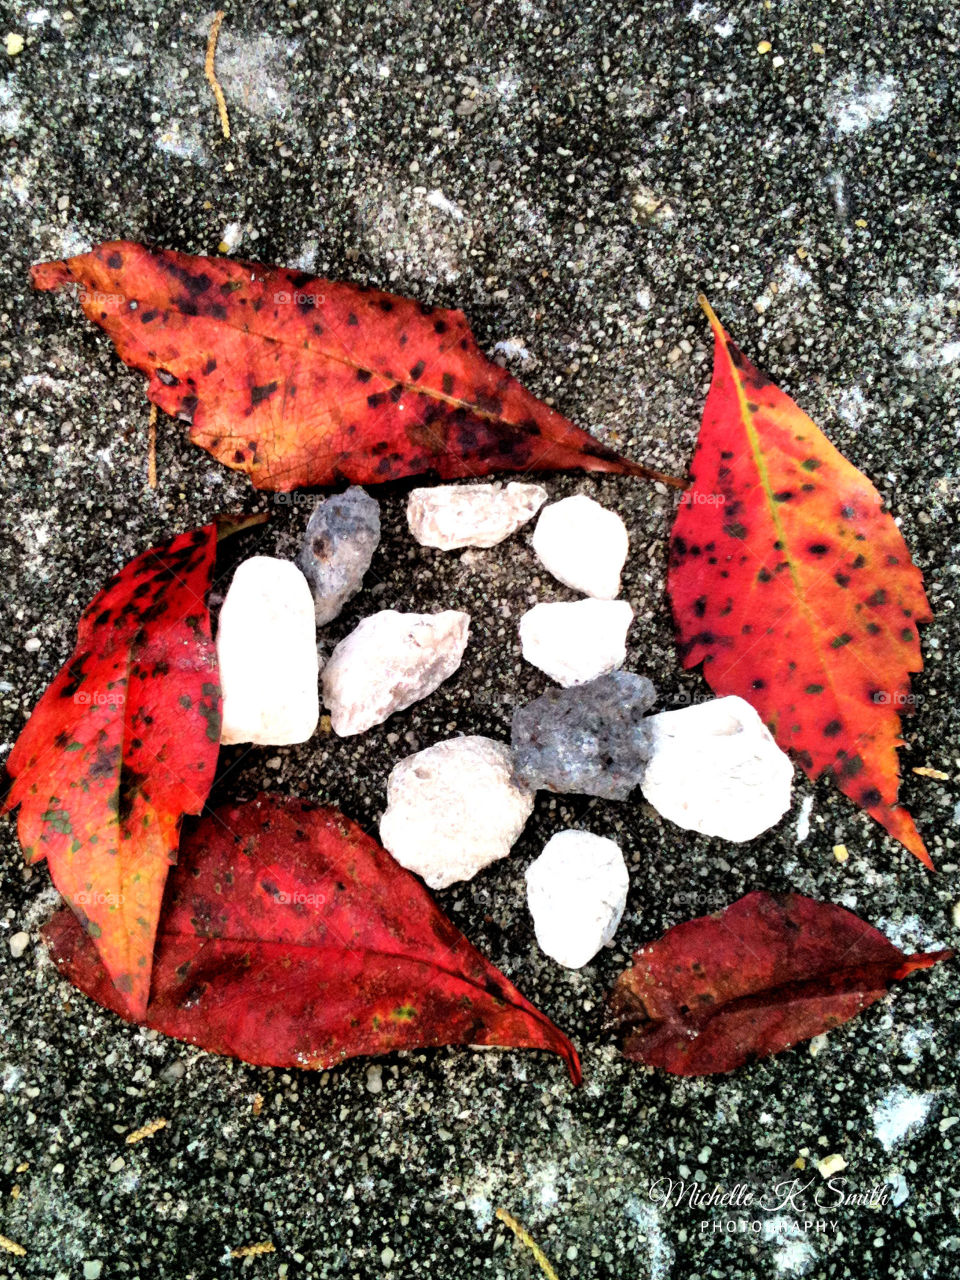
374	1079
387	1256
948	1122
32	644
18	944
92	1269
830	1165
14	44
117	1165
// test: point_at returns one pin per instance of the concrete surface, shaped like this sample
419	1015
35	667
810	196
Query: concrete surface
569	175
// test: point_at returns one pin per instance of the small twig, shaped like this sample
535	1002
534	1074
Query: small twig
253	1250
212	75
147	1131
525	1237
152	449
11	1246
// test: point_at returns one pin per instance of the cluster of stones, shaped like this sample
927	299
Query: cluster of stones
461	804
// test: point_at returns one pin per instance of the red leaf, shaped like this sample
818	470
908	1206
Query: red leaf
794	588
291	939
767	972
122	743
308	382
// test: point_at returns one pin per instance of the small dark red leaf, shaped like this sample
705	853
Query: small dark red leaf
289	938
767	972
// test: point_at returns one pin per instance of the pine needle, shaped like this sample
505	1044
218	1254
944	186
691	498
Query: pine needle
526	1238
212	75
253	1250
152	449
147	1131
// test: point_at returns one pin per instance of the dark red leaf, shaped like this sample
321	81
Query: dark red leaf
291	939
309	382
767	972
120	746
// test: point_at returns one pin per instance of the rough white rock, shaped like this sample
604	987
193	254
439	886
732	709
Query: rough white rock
577	641
714	768
18	944
471	515
576	892
388	662
267	650
583	545
453	809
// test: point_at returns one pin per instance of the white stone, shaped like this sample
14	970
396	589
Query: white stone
267	650
390	661
831	1165
471	515
577	641
453	809
18	944
715	768
583	545
576	892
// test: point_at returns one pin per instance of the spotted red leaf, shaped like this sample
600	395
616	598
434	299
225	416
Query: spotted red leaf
289	938
795	589
120	746
308	382
769	971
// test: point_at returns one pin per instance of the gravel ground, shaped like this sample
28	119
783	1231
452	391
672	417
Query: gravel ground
569	175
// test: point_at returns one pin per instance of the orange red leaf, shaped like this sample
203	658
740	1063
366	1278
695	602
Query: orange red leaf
299	381
795	589
120	746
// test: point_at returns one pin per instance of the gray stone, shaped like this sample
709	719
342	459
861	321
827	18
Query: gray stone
341	537
592	738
